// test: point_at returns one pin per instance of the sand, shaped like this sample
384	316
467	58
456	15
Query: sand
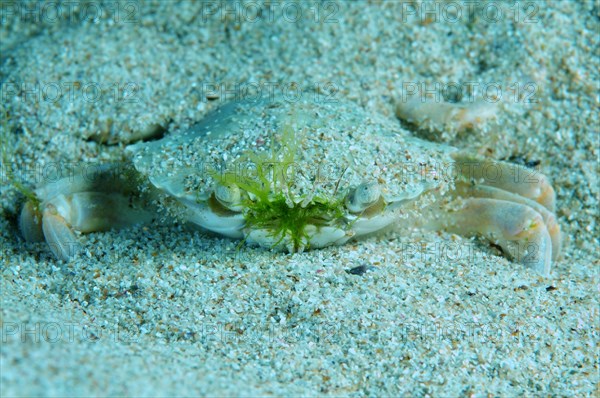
167	310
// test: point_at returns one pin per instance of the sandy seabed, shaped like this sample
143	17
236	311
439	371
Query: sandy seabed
166	310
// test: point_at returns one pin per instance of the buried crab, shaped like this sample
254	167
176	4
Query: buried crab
294	174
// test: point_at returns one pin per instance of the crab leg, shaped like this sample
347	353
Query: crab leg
443	116
84	203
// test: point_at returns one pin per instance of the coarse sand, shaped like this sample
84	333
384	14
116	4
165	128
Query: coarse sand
167	310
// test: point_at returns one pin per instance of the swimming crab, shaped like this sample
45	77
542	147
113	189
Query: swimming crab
302	173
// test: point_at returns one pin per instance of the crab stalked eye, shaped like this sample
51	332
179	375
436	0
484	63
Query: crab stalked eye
363	196
229	196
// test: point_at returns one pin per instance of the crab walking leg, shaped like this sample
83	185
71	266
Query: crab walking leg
437	115
508	177
504	223
108	198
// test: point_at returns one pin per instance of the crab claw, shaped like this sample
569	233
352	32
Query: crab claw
59	234
549	219
47	224
508	204
506	223
30	223
83	203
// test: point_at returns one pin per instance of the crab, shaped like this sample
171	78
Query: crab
301	173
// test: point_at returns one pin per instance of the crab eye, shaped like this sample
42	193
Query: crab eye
229	196
363	196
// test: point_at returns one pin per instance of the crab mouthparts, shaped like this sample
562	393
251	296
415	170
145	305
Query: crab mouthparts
285	222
